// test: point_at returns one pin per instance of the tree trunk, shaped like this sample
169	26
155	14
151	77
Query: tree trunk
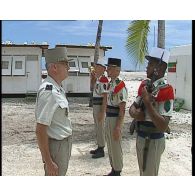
97	44
161	34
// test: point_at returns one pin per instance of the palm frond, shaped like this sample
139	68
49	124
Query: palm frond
136	44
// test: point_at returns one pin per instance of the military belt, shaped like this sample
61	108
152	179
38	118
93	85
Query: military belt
150	135
147	126
112	111
97	100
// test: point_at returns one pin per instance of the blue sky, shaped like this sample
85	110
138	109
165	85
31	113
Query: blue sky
82	32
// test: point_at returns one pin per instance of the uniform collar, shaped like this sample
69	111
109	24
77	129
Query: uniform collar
51	80
156	83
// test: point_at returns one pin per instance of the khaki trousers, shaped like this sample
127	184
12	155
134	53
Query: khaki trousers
155	150
60	151
99	127
114	147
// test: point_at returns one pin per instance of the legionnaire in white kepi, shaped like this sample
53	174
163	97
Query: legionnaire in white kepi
53	129
115	111
152	110
99	107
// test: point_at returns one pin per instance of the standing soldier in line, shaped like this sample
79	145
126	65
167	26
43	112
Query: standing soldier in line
115	111
152	110
99	107
53	129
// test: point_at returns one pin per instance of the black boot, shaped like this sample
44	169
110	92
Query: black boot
93	151
111	173
114	173
99	153
117	173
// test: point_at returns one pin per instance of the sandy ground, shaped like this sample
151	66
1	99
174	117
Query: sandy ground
21	155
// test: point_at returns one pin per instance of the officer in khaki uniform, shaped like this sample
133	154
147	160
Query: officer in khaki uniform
99	107
153	116
115	111
53	129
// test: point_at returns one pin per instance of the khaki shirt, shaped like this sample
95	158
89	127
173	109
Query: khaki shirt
101	86
52	109
114	99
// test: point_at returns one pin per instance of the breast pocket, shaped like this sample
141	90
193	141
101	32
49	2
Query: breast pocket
63	104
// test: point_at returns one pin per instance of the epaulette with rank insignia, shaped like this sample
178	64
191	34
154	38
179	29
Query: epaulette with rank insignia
165	93
120	86
143	83
103	79
48	87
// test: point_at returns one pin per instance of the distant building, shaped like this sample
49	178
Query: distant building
21	68
179	73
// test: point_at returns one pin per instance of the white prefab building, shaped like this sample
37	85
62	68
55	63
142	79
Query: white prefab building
78	81
21	68
179	73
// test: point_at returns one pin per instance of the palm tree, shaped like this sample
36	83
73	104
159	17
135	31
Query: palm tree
96	57
137	45
161	33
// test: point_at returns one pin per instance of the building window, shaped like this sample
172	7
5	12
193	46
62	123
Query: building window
84	64
32	58
5	64
72	64
18	64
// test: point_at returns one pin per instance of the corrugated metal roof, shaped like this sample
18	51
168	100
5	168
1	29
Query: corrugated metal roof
25	45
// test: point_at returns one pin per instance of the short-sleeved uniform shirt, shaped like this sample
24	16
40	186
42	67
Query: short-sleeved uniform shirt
163	95
101	86
52	109
117	92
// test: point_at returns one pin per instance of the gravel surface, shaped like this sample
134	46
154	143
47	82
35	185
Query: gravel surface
21	155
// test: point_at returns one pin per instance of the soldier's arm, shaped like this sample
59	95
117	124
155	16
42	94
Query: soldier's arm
121	114
103	107
120	119
42	138
92	80
104	103
159	121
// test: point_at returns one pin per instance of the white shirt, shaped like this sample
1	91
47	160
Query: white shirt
52	109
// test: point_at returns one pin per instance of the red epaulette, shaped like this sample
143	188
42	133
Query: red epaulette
120	86
165	93
103	79
143	83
